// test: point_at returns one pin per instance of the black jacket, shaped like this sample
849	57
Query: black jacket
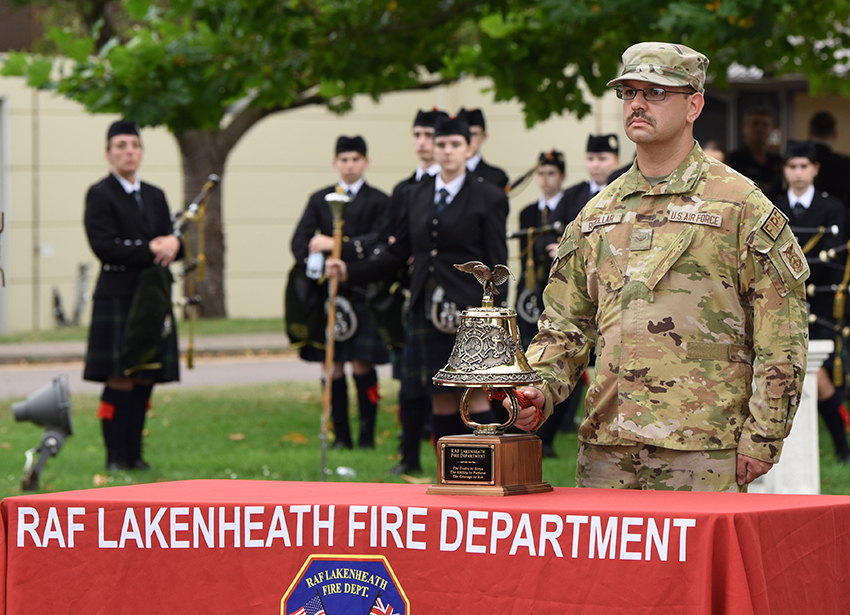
767	176
826	210
394	218
362	218
574	200
470	228
119	233
531	217
490	174
834	174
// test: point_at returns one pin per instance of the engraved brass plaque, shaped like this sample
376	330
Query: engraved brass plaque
468	464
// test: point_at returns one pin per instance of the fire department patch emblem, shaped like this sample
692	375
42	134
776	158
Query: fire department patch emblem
335	584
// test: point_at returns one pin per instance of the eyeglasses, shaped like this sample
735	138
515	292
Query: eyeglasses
649	94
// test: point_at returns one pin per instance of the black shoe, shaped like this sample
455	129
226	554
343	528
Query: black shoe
366	445
403	468
844	459
117	466
139	464
549	451
340	444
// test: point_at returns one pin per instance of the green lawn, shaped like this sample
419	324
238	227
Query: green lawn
205	326
256	432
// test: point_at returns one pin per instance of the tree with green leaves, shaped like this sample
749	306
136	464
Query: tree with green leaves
543	52
209	70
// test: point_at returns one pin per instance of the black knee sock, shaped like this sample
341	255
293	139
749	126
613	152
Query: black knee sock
339	411
115	428
367	400
482	418
414	413
828	409
447	425
136	422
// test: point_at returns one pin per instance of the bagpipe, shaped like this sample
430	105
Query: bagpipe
522	181
529	297
194	268
529	300
839	291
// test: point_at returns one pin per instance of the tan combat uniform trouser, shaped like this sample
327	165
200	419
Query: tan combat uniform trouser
642	466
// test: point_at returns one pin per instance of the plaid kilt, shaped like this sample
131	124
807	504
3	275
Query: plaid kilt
426	351
366	344
106	336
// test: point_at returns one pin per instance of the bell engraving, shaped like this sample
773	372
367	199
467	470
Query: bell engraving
481	345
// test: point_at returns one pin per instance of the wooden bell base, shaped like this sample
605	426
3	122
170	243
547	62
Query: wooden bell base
509	464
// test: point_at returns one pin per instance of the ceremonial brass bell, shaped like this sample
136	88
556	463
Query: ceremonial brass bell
487	351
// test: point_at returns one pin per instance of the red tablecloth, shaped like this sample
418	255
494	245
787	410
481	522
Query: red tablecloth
234	547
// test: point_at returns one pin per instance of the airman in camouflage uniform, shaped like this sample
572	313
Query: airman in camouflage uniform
690	285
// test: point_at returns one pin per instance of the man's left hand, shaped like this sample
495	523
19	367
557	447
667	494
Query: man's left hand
750	468
164	249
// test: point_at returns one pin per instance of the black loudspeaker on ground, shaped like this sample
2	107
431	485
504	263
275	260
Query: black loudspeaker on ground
48	407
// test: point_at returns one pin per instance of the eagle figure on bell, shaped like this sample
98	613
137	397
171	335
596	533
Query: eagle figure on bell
488	279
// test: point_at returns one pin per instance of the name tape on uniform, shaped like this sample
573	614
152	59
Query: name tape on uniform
589	225
678	213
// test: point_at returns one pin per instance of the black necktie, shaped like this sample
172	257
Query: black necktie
799	210
138	196
441	204
349	194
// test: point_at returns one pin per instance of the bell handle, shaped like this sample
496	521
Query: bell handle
489	429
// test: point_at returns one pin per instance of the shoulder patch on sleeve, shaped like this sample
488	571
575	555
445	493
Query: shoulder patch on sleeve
774	223
793	258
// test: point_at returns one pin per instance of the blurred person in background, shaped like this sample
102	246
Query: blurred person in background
132	341
357	340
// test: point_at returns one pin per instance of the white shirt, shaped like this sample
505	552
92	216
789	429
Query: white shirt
472	163
595	188
355	187
551	203
453	187
805	200
431	171
128	187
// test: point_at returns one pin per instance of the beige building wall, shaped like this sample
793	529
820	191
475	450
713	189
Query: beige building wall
51	151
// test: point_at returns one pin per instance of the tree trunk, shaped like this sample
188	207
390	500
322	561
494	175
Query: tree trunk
204	153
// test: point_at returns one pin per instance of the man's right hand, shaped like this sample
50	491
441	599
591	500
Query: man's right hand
527	417
320	243
336	268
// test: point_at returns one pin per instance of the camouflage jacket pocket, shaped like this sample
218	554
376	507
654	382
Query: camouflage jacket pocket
671	255
780	380
609	272
782	396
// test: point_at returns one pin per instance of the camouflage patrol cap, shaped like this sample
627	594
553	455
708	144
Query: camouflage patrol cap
663	64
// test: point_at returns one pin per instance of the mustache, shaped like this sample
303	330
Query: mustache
640	114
